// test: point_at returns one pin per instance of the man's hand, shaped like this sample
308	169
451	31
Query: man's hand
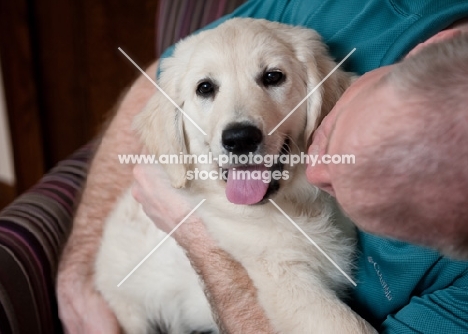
89	313
165	205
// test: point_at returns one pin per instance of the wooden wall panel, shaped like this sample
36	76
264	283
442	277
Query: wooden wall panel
17	61
63	74
81	72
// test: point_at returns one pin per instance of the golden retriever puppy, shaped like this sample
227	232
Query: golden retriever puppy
237	82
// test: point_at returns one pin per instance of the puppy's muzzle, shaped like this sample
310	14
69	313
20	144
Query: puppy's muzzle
241	138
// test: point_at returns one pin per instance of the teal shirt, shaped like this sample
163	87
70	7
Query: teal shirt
382	31
402	288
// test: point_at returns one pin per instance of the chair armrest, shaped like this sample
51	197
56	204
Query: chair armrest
33	230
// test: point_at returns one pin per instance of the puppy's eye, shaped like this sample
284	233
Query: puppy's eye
205	89
273	78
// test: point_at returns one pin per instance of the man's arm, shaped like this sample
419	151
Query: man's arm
81	308
229	289
442	311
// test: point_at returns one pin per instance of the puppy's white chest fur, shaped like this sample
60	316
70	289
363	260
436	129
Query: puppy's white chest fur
296	285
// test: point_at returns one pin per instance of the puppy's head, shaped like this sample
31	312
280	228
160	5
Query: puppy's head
242	84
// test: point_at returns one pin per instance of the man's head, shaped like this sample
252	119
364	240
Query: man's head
407	125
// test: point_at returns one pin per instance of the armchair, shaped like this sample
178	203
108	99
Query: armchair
35	227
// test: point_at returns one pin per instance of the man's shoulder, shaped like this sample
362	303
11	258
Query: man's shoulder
408	262
389	273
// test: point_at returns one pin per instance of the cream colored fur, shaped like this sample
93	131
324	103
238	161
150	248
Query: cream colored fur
297	286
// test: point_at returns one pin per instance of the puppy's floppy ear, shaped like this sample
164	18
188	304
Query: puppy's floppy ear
313	53
161	128
161	124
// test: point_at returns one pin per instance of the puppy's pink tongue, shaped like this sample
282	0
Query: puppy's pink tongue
242	188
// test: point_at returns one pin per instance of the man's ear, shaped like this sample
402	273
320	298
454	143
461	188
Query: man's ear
161	129
312	52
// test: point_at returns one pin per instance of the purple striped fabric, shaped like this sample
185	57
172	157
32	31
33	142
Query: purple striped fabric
34	228
179	18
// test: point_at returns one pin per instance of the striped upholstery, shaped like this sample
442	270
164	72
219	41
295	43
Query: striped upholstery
33	229
179	18
32	232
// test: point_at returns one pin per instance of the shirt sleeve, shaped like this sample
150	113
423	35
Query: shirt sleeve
442	311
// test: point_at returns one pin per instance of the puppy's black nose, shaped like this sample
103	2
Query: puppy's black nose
241	138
